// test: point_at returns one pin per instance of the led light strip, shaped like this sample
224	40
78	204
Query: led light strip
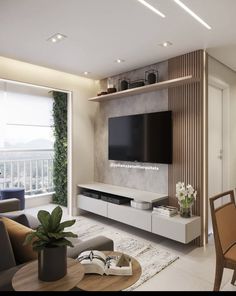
151	8
194	15
205	157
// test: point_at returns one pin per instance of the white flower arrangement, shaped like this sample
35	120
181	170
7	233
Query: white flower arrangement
186	195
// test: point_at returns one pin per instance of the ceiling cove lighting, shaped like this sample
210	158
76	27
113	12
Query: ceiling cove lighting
56	38
145	3
194	15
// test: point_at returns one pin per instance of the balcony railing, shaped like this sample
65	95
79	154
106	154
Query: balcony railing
28	168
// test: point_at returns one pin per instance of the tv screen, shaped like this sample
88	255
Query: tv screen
141	138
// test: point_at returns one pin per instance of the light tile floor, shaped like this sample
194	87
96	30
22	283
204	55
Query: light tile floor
194	271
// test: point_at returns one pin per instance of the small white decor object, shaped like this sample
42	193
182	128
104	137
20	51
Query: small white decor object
141	205
165	211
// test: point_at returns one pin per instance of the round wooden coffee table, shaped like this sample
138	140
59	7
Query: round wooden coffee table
94	282
26	278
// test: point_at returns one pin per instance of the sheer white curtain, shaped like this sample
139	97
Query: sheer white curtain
25	117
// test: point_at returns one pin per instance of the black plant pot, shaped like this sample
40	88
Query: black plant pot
52	264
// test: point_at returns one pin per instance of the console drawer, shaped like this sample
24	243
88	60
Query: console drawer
93	205
177	228
134	217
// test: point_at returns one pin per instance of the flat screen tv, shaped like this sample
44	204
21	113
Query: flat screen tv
141	138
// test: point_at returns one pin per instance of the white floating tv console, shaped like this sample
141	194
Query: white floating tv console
177	228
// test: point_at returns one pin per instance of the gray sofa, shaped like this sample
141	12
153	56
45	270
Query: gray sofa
8	265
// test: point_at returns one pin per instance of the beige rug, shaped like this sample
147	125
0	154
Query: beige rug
151	257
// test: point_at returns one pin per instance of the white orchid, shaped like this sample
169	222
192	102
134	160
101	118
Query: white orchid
180	186
186	195
190	189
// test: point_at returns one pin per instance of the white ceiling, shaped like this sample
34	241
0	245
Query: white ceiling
100	31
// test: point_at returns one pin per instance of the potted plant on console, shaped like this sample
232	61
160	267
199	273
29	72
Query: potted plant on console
49	240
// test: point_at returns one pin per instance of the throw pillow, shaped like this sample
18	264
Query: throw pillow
17	234
19	218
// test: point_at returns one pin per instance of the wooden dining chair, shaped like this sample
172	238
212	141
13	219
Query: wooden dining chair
224	228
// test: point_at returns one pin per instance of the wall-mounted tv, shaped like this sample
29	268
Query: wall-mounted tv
141	138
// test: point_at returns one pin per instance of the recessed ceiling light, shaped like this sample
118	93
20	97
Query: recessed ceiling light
166	44
193	14
59	36
56	38
119	61
86	73
145	3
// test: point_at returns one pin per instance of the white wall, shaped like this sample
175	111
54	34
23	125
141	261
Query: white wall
225	77
233	134
82	111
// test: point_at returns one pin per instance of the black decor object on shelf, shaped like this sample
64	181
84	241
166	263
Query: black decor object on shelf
124	84
111	90
151	76
136	83
103	93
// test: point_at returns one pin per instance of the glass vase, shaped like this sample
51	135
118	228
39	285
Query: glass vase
186	212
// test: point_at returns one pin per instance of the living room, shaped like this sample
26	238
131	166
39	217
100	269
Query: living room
137	114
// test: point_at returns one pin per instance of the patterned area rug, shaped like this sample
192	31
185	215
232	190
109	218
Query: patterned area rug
152	258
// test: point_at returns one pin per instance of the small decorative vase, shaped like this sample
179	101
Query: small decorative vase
52	264
186	212
151	76
124	85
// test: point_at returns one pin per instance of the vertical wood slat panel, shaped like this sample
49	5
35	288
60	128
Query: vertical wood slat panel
186	103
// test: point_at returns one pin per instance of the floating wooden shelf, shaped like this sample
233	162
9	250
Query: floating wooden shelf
147	88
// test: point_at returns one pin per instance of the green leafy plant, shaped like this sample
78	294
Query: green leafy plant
60	148
50	233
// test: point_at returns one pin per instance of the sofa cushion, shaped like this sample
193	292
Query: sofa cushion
17	234
7	259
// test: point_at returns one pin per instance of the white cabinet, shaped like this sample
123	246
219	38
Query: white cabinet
180	229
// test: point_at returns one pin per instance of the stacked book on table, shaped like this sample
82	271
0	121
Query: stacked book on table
165	211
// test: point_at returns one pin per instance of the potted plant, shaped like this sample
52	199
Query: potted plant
186	197
49	240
